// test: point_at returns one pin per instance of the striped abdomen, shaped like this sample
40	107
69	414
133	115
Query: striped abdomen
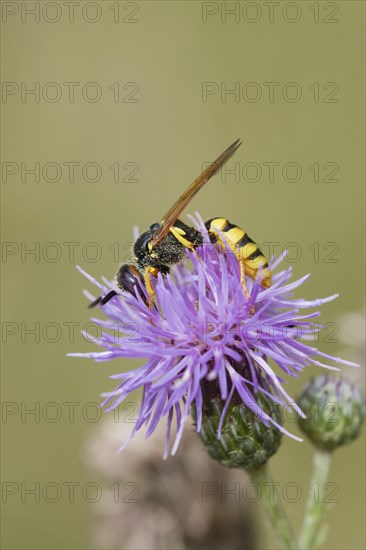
243	247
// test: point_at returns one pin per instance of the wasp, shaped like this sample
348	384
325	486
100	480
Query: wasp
166	243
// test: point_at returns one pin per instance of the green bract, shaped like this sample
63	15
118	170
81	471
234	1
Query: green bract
245	441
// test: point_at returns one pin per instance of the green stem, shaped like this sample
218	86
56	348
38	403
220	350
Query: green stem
310	536
274	507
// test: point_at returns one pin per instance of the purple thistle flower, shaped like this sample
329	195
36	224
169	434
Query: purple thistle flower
204	338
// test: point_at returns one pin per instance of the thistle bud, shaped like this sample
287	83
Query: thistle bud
334	410
245	441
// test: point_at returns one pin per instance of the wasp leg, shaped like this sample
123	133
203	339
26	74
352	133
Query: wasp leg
153	271
242	279
238	256
102	301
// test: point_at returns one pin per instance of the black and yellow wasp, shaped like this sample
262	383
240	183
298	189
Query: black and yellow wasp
165	243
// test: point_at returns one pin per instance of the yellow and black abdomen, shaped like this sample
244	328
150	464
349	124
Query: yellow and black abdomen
247	252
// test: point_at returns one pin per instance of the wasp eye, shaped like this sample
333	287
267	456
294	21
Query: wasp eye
128	278
141	247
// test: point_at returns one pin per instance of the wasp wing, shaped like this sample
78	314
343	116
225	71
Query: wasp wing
175	211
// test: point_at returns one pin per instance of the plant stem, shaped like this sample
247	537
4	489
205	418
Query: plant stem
310	536
274	507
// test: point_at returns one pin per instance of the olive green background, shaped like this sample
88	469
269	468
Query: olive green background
169	132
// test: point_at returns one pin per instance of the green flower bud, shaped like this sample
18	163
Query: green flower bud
334	410
245	441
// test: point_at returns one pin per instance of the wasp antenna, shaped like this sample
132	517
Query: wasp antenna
103	300
96	302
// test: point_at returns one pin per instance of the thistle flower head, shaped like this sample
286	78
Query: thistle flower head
206	339
335	410
245	441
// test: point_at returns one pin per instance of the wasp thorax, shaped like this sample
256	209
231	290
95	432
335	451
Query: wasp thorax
172	249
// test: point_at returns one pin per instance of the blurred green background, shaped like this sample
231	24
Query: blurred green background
158	108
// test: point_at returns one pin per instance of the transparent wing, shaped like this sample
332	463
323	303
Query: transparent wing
175	211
